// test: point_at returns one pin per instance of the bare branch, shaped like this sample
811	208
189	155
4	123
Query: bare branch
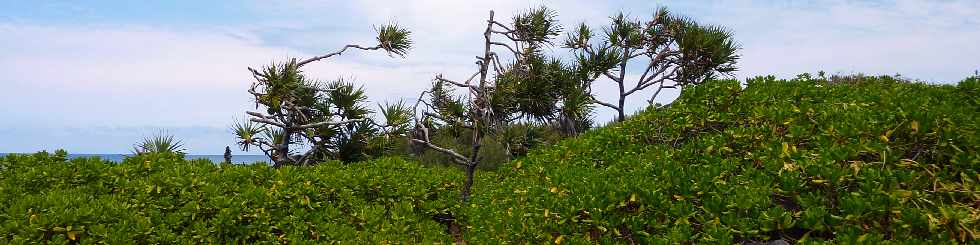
643	84
512	50
304	62
612	77
259	115
326	123
459	158
597	101
645	72
654	97
463	85
267	121
501	26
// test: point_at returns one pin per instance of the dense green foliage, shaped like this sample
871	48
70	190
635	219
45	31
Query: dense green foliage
161	198
864	160
877	159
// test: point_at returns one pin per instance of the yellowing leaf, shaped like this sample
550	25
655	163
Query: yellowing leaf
632	197
546	212
883	138
856	166
862	238
72	235
915	126
553	189
559	239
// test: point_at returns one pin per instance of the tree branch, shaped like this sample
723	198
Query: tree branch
267	121
459	158
643	84
512	50
611	76
603	103
304	62
502	26
463	84
325	123
259	115
654	97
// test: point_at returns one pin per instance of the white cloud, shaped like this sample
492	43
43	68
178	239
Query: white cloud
143	75
930	40
126	75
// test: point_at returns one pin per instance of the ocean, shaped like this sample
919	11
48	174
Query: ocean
242	159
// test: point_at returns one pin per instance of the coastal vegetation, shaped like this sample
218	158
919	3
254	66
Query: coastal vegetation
807	160
813	159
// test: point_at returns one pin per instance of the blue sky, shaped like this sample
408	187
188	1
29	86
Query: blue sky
96	76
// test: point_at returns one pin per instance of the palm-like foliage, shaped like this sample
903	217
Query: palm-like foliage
674	51
159	143
330	120
247	133
394	39
397	118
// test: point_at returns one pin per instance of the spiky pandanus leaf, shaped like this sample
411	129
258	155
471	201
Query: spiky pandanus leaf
347	99
578	38
706	51
394	39
247	133
624	32
397	117
159	143
536	26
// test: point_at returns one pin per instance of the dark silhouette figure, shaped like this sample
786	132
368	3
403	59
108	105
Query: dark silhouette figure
227	154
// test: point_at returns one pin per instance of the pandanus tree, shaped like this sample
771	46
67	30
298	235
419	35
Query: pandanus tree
673	52
526	86
306	121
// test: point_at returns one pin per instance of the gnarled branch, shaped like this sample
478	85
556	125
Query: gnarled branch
341	51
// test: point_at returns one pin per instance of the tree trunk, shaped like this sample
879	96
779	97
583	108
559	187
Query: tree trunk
622	89
470	171
622	114
282	154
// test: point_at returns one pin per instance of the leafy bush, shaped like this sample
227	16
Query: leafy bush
161	198
799	160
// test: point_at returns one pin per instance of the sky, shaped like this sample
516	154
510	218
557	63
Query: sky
97	76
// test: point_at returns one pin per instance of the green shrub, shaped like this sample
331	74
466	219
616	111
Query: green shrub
857	162
801	160
161	198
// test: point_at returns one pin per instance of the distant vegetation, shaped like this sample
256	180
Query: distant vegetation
329	119
847	159
158	143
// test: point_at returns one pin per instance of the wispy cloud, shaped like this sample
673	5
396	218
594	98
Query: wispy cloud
95	65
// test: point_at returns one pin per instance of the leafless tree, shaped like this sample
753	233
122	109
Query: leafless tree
477	114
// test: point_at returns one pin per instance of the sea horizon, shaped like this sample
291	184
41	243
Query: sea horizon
118	157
